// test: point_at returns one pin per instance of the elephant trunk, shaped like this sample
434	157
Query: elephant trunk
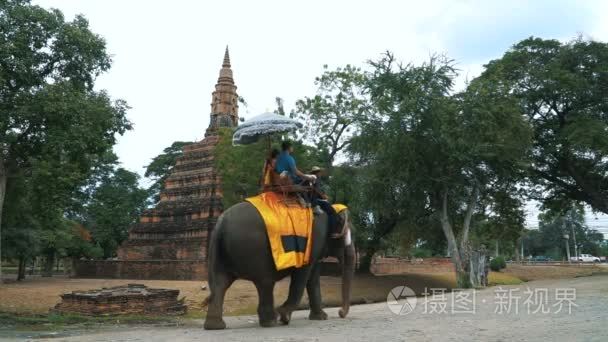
348	270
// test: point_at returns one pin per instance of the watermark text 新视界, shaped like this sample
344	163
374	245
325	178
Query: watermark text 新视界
402	300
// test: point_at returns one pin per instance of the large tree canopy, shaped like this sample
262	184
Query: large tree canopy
429	154
331	116
562	88
115	205
54	127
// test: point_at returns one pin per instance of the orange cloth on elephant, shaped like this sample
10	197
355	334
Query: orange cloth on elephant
339	207
289	229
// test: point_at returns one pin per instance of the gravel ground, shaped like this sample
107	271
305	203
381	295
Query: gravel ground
376	322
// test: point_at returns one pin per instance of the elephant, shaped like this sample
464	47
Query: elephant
239	249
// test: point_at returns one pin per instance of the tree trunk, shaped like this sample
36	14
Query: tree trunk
3	178
462	276
33	268
365	264
469	270
68	267
466	277
466	226
21	270
49	262
477	268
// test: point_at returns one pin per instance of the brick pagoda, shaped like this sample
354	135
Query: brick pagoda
170	240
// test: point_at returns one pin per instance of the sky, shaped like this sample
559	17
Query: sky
167	54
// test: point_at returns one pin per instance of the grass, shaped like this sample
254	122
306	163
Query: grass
9	318
498	278
54	321
529	273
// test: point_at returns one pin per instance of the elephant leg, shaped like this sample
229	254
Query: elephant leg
313	288
298	281
266	313
218	285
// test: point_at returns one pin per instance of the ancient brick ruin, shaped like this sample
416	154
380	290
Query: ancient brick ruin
170	240
177	228
133	299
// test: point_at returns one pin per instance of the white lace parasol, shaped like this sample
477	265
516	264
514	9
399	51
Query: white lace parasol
261	125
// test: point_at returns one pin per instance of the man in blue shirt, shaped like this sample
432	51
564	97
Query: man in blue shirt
286	163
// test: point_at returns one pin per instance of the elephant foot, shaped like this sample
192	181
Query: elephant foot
343	312
214	324
268	319
284	314
268	323
317	315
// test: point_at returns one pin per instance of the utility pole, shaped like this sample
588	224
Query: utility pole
574	240
567	247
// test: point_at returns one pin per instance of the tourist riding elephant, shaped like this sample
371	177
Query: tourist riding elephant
239	249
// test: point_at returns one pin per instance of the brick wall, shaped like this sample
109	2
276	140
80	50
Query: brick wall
331	267
144	269
397	265
197	270
191	249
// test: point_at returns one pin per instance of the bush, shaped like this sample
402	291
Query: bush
498	264
422	253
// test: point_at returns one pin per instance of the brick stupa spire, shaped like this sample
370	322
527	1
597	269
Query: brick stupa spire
224	101
170	240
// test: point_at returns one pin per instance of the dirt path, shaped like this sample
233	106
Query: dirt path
36	295
375	322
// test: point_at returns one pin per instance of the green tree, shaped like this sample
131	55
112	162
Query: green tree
115	205
331	116
561	89
603	248
500	221
53	125
343	182
280	106
158	170
553	225
20	226
103	168
81	243
431	154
